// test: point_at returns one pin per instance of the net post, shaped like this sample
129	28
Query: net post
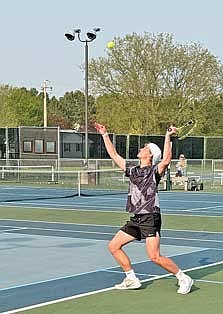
97	173
202	169
52	174
212	170
123	178
18	174
79	183
168	179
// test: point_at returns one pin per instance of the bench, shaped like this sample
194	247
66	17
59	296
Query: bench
190	183
180	181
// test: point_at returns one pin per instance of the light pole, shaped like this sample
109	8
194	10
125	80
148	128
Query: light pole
90	36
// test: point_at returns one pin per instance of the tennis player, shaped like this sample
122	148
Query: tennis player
143	203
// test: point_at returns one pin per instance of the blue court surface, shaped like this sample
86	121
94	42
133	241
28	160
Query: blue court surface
45	262
188	203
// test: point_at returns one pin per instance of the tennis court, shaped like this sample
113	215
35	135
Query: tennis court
54	249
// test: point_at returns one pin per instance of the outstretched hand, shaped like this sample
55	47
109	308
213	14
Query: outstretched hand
100	128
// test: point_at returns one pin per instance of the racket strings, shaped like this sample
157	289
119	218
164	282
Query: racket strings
185	130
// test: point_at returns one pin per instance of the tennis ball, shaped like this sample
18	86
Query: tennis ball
110	44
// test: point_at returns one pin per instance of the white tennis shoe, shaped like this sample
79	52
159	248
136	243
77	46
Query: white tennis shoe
185	285
129	284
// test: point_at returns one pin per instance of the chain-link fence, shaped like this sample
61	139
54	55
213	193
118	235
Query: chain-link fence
207	173
49	143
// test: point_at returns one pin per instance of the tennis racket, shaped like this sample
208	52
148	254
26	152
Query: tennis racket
185	129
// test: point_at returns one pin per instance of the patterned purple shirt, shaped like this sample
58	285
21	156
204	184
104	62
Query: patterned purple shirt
142	193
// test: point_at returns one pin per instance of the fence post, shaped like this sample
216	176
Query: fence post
168	180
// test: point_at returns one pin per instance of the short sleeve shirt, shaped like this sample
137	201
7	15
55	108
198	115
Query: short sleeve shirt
143	186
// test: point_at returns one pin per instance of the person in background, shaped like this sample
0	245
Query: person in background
143	204
181	166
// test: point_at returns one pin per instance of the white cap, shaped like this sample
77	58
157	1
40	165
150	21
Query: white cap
156	152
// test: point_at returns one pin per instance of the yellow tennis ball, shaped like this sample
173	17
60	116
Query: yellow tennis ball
110	44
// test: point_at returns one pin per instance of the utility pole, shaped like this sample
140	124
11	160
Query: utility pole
7	145
44	88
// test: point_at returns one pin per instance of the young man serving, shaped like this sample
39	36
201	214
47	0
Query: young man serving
143	203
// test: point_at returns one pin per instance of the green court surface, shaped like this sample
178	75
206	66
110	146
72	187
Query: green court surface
157	297
178	222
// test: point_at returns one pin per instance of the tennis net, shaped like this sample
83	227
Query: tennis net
28	183
48	182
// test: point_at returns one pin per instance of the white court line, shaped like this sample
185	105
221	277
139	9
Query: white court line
153	275
121	272
207	213
102	199
93	271
53	279
120	211
13	229
111	233
195	231
98	232
106	233
190	239
72	207
189	201
187	215
175	194
67	205
97	225
202	208
56	222
99	291
209	281
172	193
72	231
164	211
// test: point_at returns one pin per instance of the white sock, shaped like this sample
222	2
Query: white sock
130	274
180	275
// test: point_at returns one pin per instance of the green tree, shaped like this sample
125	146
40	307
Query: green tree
4	92
71	108
155	81
22	107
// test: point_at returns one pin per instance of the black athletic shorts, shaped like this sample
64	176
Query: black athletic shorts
143	226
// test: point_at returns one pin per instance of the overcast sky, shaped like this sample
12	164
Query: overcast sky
34	49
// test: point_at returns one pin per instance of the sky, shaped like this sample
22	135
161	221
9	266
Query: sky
33	46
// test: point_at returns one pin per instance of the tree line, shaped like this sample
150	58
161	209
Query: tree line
143	84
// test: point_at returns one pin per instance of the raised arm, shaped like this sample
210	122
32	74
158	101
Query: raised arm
120	162
167	151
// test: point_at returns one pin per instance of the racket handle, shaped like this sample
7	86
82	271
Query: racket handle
171	128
